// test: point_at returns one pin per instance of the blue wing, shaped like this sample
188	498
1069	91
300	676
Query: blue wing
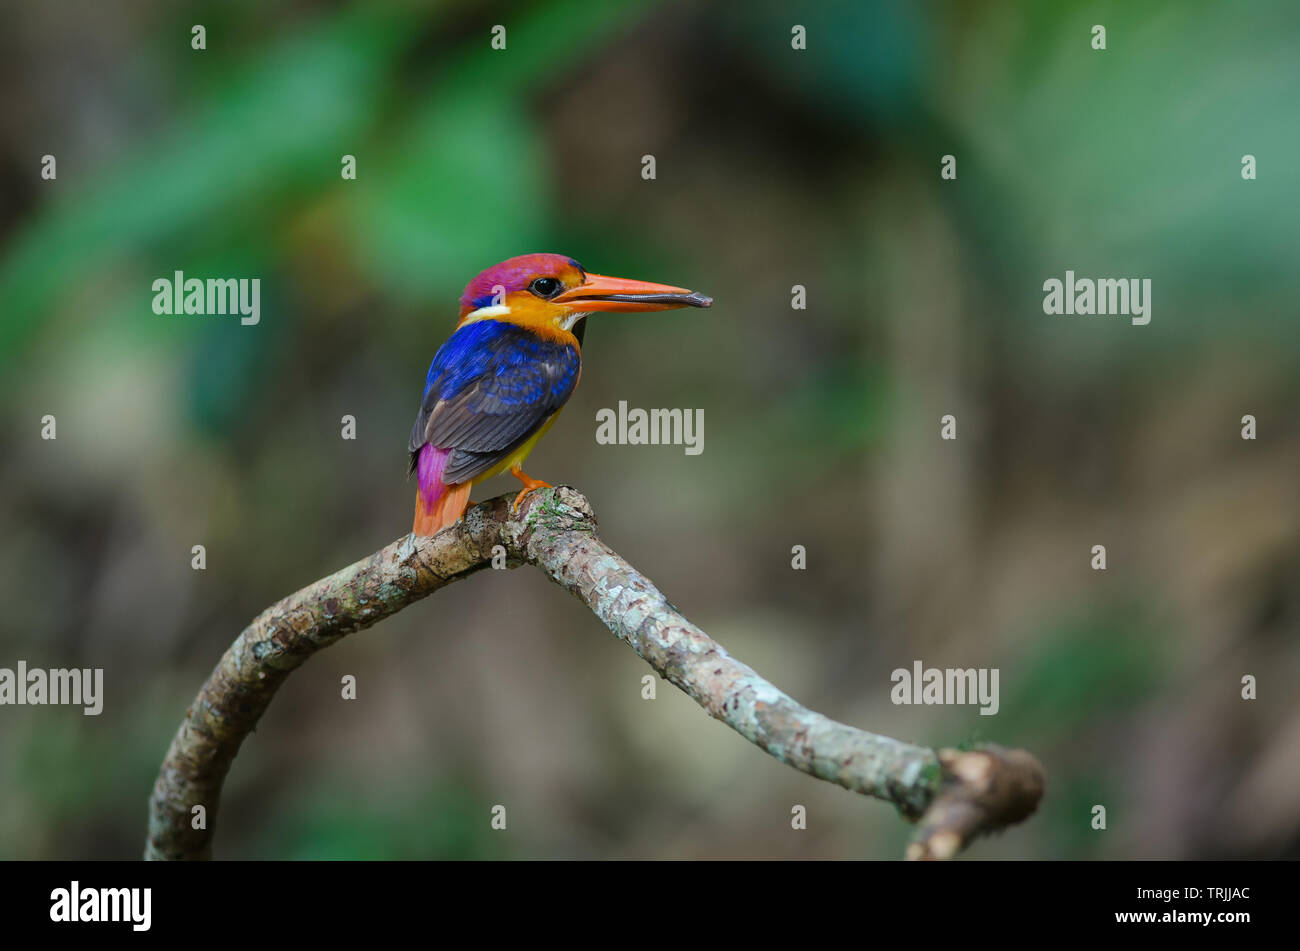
489	388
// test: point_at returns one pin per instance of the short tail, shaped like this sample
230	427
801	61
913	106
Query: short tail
436	505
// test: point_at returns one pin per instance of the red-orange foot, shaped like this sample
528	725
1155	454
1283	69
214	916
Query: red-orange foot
529	484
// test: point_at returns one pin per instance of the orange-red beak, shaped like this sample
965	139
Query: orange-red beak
618	294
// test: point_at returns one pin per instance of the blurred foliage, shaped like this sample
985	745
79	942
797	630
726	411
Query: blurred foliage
1107	663
446	823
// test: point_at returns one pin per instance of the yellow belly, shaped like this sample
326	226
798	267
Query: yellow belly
517	457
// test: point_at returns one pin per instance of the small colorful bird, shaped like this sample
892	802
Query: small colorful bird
498	383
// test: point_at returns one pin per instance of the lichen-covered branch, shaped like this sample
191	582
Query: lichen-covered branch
954	796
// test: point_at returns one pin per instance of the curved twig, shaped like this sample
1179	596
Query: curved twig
955	796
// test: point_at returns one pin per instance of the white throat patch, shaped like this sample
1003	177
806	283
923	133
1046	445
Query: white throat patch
486	313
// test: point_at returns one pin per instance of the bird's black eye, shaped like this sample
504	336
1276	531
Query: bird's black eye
546	287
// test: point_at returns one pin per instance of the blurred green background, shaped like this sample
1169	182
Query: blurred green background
775	167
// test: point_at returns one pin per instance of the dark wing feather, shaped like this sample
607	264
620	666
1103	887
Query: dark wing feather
490	387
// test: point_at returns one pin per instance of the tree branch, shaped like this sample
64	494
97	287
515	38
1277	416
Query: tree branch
954	795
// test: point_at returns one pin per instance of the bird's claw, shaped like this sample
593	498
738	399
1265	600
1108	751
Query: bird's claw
529	484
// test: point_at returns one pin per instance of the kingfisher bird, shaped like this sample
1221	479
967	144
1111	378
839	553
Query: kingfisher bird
499	382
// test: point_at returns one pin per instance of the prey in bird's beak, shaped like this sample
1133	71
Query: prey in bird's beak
620	295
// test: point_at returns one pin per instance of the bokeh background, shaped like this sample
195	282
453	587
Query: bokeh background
775	167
